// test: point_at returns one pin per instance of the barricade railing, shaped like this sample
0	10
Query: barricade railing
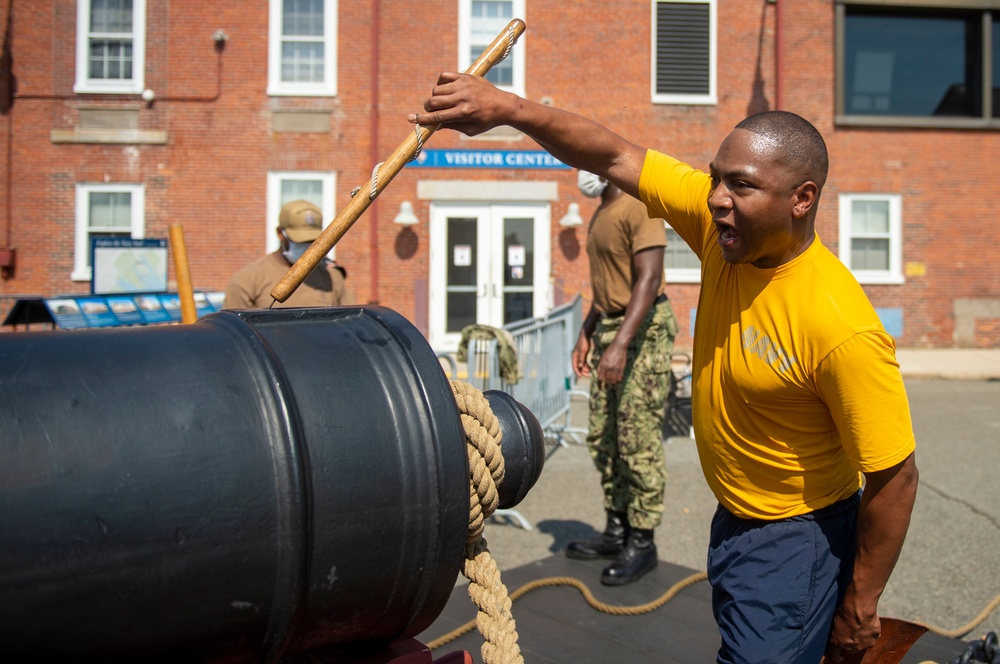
545	382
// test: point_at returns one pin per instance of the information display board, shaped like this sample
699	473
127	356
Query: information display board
124	265
73	312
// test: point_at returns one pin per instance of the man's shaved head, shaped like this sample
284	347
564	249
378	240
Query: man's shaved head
795	141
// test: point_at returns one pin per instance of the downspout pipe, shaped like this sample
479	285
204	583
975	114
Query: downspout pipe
778	58
373	130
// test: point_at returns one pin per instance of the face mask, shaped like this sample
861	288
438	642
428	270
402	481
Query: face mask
591	185
295	250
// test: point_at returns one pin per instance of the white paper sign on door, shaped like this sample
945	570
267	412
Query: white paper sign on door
463	255
515	255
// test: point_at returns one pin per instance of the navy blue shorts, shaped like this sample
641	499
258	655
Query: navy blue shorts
777	584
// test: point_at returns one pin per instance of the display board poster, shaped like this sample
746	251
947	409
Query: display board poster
71	312
126	265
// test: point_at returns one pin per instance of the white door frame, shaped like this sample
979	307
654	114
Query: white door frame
491	263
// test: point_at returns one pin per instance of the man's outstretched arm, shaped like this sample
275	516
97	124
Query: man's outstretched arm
472	105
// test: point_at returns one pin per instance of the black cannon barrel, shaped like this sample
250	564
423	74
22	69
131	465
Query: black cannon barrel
257	484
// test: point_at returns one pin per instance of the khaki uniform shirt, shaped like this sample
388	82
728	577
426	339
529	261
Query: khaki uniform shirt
251	287
618	232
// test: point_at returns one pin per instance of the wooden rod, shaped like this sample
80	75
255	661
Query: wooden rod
189	313
403	154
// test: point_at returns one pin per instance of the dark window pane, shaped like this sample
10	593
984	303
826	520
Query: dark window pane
519	252
461	310
111	59
682	48
912	63
996	64
461	252
517	306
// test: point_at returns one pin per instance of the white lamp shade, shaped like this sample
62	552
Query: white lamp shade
406	216
572	217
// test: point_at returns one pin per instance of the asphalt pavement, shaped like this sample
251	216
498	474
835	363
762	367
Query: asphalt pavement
949	569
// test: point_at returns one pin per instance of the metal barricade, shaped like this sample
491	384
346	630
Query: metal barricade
544	347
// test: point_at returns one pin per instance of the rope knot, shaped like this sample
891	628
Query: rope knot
486	472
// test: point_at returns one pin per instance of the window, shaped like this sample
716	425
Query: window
110	46
479	23
918	66
106	210
683	48
287	186
303	48
871	237
680	263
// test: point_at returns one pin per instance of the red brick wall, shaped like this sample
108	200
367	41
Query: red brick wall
211	175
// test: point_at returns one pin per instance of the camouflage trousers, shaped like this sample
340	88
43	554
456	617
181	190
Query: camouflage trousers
625	435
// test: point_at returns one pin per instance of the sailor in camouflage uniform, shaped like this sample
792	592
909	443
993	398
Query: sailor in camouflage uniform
624	348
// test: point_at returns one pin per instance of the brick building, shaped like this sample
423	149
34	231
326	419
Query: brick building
122	117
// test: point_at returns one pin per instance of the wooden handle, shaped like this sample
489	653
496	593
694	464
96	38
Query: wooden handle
189	312
306	263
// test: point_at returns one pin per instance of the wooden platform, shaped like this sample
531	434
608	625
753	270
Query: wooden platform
555	624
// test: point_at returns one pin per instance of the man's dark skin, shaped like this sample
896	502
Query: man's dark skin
765	210
647	265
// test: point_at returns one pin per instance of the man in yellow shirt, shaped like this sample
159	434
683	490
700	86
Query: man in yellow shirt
797	395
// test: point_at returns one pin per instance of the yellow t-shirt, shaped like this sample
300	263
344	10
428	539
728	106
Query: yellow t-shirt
796	387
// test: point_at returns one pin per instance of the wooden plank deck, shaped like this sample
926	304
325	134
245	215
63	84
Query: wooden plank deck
555	624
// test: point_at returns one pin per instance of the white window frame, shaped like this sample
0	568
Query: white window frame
82	271
86	85
712	96
274	180
277	87
686	275
518	52
893	275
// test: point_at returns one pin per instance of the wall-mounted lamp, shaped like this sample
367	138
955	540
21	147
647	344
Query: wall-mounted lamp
405	216
220	38
572	217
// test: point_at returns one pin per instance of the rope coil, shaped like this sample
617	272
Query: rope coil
486	472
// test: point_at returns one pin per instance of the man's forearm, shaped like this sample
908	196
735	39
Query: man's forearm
589	323
883	519
471	104
648	266
582	143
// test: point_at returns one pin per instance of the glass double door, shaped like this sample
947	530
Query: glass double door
489	265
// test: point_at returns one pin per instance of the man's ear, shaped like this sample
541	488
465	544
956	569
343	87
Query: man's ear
804	199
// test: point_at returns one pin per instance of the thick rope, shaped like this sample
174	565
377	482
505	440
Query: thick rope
486	471
959	632
594	603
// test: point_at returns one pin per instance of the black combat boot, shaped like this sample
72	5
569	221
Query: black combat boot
637	558
608	544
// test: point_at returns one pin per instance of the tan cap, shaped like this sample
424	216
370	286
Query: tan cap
301	220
